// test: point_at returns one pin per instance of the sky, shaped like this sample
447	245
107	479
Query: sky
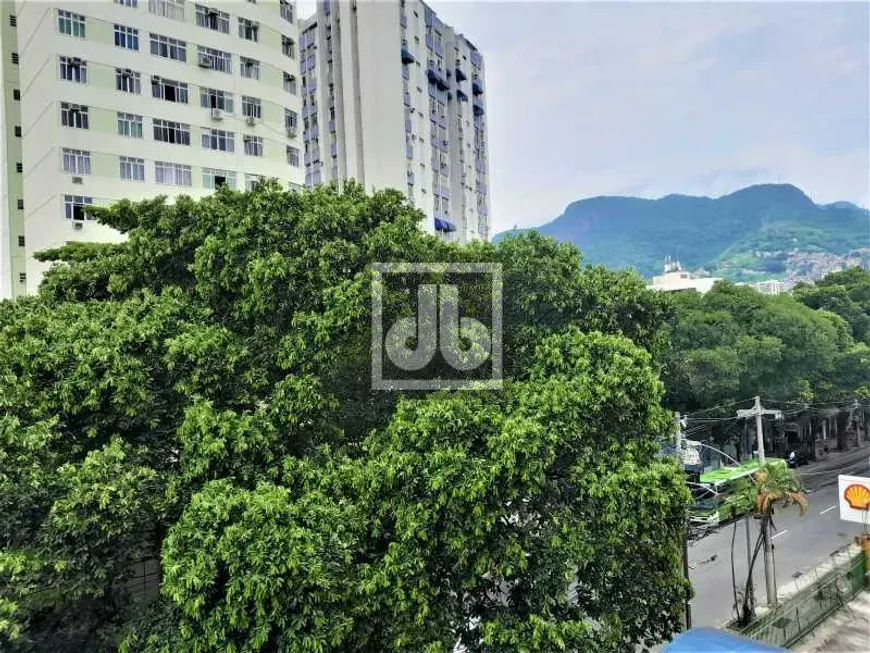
653	98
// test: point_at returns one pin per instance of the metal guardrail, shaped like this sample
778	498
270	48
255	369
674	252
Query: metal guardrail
799	615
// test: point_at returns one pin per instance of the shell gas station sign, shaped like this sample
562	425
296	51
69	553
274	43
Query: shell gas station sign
854	498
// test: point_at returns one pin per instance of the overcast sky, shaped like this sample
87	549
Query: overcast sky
651	98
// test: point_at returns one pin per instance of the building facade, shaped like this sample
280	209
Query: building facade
138	98
394	98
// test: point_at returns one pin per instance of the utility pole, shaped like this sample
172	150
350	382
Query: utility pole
679	451
757	411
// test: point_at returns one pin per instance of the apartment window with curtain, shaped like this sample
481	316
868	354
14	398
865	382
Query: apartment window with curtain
131	168
211	98
213	178
251	107
75	207
249	30
169	90
168	131
76	162
172	174
173	9
253	145
286	11
218	139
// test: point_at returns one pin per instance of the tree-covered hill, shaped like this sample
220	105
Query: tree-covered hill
749	230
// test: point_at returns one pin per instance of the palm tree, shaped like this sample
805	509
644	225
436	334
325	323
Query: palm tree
773	486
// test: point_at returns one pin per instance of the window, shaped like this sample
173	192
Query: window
163	46
250	68
291	119
290	83
129	125
251	107
293	156
21	241
288	47
73	69
210	98
218	139
132	169
14	58
74	207
127	3
253	145
76	162
126	37
249	30
22	277
19	167
20	205
173	9
252	181
16	94
73	115
172	174
215	59
286	11
213	178
70	23
219	21
18	131
128	81
169	90
168	131
13	20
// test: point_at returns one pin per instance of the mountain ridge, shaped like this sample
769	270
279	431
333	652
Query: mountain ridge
747	234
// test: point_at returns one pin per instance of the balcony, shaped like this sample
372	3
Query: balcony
406	73
460	75
430	42
477	105
333	150
332	125
461	95
481	188
410	178
403	19
408	126
436	76
407	57
476	85
439	48
409	151
407	99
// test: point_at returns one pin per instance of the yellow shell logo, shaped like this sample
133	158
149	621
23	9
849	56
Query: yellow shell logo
857	496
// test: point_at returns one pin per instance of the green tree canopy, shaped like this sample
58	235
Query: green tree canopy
198	399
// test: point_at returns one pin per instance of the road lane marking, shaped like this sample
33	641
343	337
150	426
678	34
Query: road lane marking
780	533
827	510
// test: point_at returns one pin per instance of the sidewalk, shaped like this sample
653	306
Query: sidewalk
824	472
846	631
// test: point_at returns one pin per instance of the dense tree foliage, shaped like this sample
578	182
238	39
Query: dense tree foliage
733	343
198	398
845	293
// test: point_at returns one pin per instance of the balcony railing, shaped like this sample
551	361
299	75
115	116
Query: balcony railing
476	86
460	74
407	57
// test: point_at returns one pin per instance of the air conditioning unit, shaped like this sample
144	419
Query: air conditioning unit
155	79
128	72
78	180
204	61
291	131
251	120
217	114
78	224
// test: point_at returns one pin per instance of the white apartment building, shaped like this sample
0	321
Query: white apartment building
105	100
394	98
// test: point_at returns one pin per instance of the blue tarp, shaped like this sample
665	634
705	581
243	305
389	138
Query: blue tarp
710	640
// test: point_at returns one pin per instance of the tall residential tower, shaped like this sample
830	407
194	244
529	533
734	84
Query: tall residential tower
136	98
393	97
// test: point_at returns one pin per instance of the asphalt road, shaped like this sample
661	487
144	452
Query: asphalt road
799	543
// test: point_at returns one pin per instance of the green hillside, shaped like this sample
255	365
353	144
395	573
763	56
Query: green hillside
746	233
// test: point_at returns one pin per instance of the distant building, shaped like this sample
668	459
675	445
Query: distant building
771	287
675	279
